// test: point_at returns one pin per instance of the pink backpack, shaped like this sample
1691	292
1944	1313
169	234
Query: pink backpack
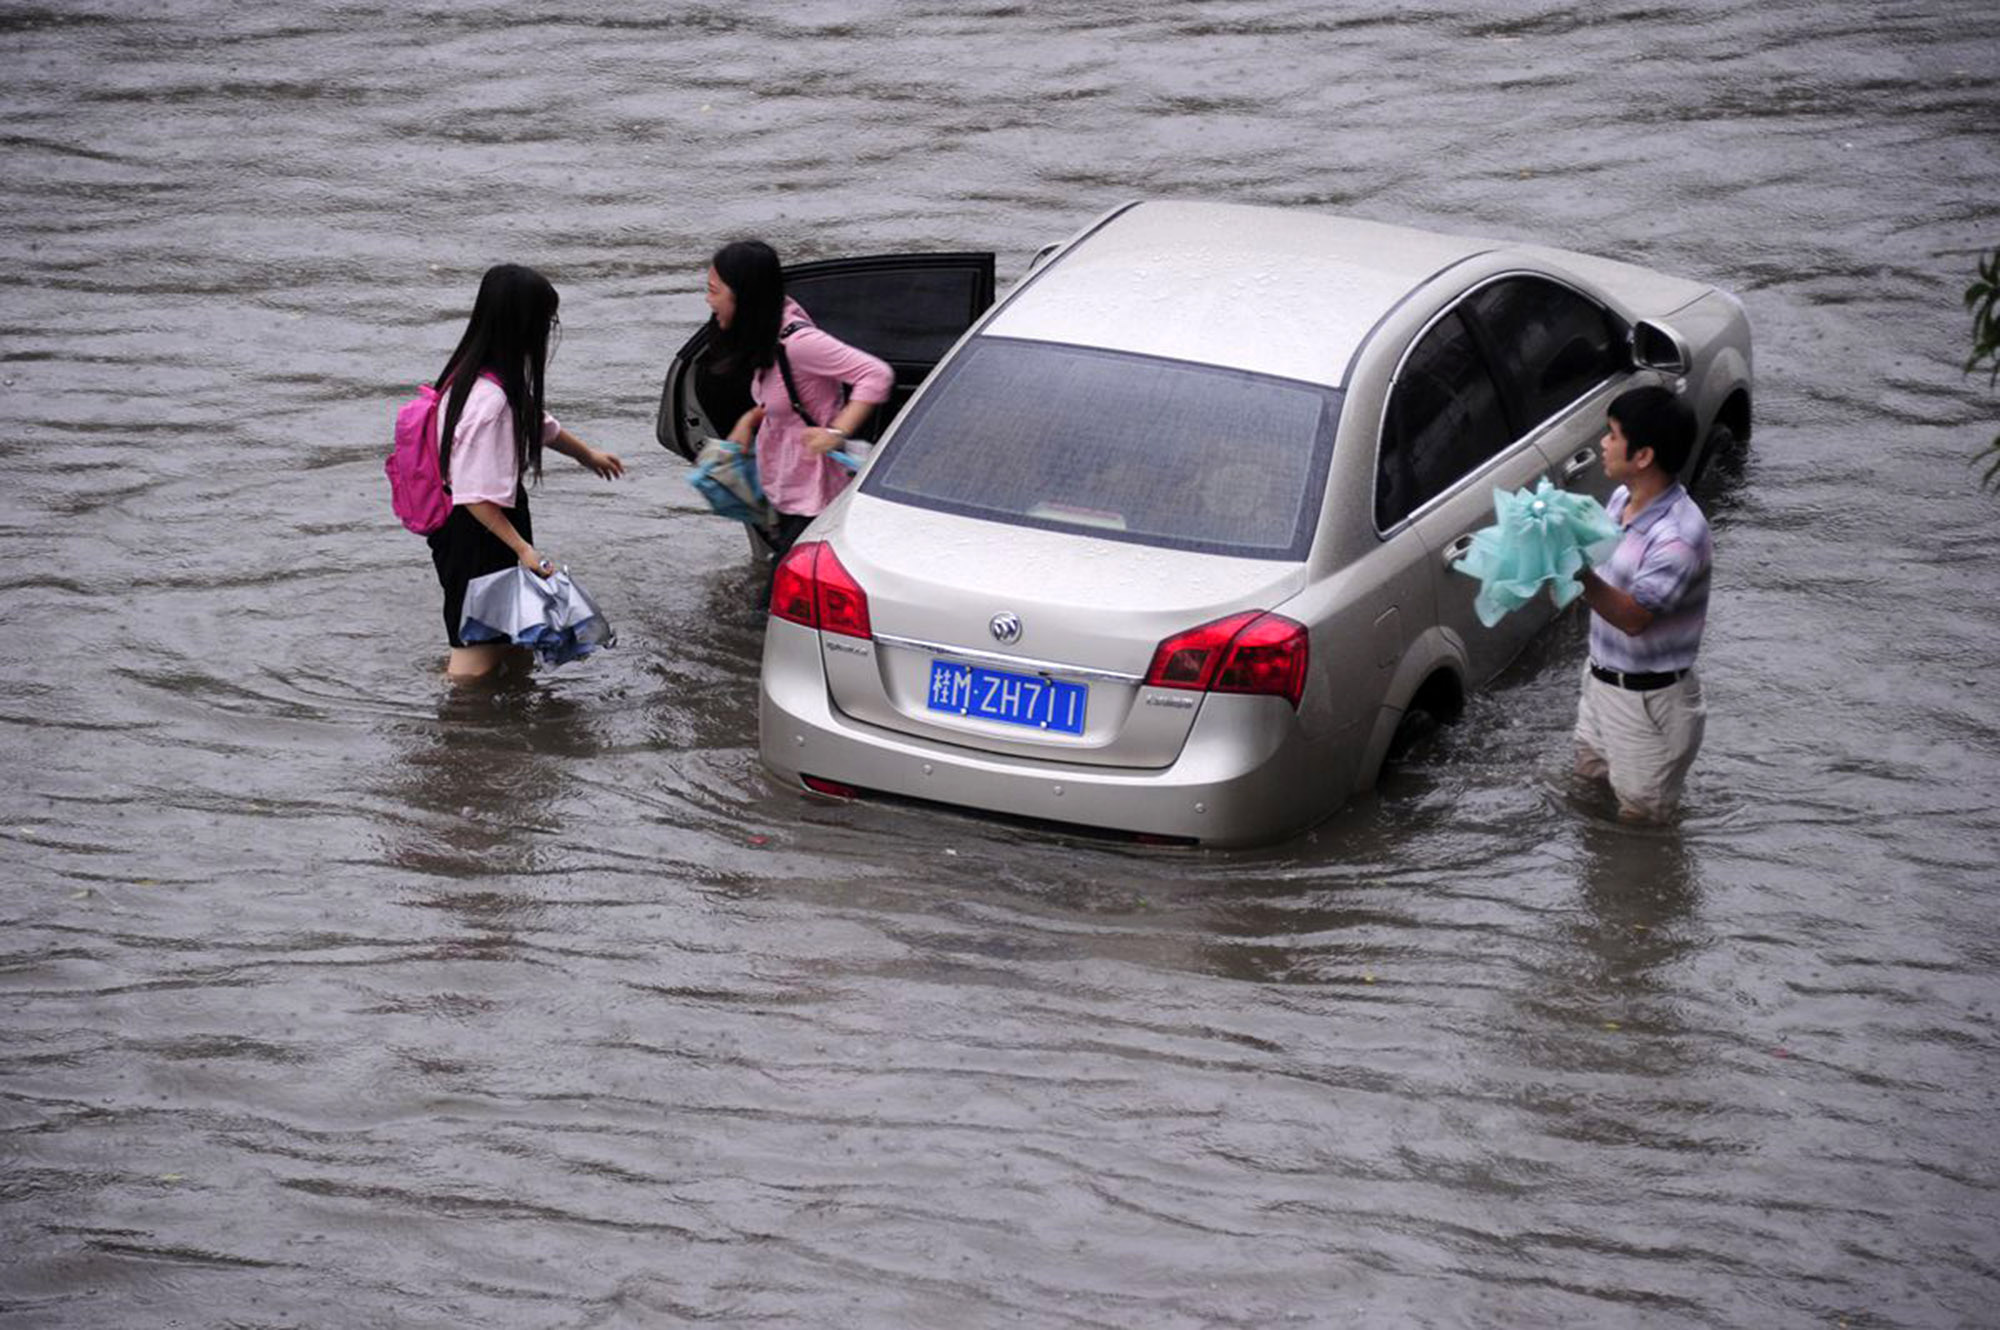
417	490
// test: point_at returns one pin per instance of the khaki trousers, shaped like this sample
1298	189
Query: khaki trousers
1643	743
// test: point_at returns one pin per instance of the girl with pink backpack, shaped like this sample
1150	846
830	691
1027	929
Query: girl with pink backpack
489	406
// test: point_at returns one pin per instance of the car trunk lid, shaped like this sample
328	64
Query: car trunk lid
977	621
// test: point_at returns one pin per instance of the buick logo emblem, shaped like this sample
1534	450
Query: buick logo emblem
1006	626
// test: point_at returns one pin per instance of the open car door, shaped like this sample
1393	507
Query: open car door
906	308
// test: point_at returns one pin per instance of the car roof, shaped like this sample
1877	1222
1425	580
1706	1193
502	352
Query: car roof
1271	290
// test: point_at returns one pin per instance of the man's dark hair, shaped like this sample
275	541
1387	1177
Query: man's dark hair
1652	417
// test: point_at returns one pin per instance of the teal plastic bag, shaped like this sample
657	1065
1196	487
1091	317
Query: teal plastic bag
1543	537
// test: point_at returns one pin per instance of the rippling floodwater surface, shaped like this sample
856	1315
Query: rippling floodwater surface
329	997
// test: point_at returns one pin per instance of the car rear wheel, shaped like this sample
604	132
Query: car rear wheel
1415	728
1440	702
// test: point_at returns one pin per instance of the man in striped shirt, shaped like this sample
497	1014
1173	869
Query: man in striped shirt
1640	720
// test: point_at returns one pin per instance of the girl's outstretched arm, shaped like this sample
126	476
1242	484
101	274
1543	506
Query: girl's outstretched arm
596	460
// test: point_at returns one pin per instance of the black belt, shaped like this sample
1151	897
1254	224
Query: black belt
1637	683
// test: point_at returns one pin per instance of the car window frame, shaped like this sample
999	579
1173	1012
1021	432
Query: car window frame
1508	408
980	265
1512	401
1619	328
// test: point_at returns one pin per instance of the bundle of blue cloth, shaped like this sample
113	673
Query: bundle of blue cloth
1543	536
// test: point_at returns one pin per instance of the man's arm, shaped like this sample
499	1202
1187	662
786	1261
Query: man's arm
1615	607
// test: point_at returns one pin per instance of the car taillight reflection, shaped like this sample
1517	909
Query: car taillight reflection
811	587
1251	652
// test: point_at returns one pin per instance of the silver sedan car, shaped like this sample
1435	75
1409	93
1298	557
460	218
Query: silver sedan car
1161	541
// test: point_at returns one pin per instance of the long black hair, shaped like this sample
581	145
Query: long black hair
750	269
507	337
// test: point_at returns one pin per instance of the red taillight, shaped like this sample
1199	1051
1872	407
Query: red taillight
831	788
843	605
1251	652
792	585
1188	660
811	587
1267	657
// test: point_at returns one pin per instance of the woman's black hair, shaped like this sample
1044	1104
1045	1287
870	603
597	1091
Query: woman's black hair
750	269
507	337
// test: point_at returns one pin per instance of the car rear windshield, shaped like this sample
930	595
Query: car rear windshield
1118	446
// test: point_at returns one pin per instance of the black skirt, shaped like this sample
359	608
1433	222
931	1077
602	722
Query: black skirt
462	549
789	527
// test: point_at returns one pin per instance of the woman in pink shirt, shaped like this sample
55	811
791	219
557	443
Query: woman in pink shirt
837	385
491	389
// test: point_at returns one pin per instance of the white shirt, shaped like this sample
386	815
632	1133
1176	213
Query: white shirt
483	468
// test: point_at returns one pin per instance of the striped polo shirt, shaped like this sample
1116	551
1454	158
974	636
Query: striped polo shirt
1663	562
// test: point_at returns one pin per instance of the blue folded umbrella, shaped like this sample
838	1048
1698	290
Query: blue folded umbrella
553	615
1542	537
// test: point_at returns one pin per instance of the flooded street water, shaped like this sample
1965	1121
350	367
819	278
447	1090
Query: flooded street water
330	997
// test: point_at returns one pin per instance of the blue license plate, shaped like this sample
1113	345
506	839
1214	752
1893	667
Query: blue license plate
1013	699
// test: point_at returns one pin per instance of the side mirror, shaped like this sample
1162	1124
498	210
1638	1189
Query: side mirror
1658	347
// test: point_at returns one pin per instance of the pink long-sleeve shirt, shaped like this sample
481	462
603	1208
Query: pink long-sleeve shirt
795	479
482	447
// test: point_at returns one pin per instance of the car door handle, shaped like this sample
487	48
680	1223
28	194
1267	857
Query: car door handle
1580	461
1457	550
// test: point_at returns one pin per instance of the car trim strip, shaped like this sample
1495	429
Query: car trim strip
1007	662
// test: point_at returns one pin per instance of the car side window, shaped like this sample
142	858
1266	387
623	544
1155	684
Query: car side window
1445	420
1552	344
905	315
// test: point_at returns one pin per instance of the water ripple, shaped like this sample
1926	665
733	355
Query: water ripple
336	995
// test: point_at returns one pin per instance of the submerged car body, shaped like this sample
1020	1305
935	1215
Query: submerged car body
1163	544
